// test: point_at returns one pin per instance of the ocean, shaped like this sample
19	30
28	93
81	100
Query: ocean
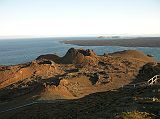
16	51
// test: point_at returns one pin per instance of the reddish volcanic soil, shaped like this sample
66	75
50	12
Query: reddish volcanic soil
74	76
79	73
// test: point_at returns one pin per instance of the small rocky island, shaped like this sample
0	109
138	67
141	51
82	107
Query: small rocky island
82	84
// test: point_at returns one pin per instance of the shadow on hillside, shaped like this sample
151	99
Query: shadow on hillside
97	105
148	71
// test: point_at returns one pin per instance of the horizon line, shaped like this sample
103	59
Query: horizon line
91	35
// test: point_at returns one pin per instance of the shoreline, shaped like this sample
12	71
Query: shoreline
134	42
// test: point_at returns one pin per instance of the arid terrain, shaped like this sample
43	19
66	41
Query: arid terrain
81	84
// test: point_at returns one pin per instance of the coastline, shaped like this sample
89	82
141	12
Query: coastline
133	42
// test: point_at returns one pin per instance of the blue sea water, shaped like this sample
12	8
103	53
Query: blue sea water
16	51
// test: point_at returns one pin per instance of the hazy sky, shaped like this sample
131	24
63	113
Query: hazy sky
79	17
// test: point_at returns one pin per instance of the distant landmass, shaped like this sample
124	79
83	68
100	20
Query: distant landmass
108	37
125	42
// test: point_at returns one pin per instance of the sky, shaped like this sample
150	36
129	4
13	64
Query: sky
79	17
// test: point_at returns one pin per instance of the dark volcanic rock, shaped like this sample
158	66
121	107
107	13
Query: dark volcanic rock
52	57
78	56
149	70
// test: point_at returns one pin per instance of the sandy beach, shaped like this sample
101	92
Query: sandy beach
134	42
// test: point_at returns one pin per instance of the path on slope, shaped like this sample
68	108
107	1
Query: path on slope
142	84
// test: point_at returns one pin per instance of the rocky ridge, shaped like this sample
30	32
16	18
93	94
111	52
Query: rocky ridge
78	73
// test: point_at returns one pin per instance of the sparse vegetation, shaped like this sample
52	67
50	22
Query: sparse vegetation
96	87
135	115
